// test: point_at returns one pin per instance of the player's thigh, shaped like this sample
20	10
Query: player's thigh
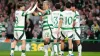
23	42
78	42
70	36
54	34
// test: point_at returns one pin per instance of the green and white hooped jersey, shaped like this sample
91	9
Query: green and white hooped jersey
20	21
68	18
2	27
47	23
55	17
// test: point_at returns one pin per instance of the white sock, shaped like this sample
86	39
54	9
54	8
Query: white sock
52	53
23	53
80	50
56	49
70	52
46	50
12	52
59	47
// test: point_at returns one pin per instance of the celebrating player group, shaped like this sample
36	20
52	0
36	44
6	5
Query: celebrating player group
57	26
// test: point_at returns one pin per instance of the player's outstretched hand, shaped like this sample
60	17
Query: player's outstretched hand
37	4
32	3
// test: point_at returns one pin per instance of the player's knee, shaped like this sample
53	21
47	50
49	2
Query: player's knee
46	42
23	42
14	42
78	42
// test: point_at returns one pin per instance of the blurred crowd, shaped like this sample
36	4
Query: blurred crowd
89	12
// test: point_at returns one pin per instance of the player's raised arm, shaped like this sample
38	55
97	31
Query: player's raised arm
42	11
29	8
32	10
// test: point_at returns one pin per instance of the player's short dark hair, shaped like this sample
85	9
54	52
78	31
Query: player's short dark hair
20	4
68	5
73	5
57	6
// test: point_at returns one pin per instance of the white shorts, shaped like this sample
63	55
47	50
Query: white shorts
19	35
46	34
76	34
54	33
68	34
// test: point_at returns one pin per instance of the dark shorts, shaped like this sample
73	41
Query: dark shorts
10	36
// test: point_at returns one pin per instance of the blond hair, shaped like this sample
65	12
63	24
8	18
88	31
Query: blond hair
46	2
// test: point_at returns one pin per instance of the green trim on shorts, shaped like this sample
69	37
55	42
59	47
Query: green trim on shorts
52	37
63	35
70	36
21	36
77	34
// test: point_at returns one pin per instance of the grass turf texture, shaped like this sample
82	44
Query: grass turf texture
32	53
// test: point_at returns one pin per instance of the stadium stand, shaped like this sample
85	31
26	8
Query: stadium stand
89	11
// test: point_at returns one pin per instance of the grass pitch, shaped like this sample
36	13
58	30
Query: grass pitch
40	53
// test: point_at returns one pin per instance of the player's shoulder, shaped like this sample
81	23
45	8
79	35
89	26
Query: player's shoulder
76	12
68	12
17	11
56	11
48	10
